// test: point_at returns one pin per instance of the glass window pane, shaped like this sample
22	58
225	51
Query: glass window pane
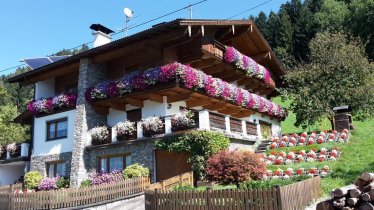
116	163
61	169
128	160
103	165
51	170
51	130
62	129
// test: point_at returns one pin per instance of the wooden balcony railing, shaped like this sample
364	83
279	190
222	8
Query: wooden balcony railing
21	152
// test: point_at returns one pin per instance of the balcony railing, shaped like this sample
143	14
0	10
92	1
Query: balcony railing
203	120
22	150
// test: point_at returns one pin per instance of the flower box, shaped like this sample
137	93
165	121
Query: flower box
101	135
184	120
126	131
50	105
14	150
153	126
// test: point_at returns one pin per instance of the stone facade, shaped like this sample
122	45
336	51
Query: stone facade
38	163
141	151
85	117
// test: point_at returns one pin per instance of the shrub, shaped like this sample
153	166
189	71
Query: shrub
199	144
104	178
125	128
32	180
63	182
265	184
48	183
234	167
100	133
86	183
135	170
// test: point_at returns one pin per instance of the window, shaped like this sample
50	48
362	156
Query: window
265	129
57	129
116	162
134	115
57	168
71	89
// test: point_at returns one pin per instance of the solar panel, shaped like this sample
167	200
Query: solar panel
35	63
57	58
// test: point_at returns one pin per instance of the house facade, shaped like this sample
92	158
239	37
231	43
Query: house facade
224	72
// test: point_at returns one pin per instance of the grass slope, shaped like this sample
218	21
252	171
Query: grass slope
357	155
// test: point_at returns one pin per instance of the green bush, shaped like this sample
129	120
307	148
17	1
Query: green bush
86	183
265	184
135	170
32	180
199	144
63	182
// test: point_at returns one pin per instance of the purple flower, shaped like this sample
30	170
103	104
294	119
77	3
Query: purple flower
48	183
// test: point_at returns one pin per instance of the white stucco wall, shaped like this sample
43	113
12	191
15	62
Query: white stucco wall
276	129
115	116
45	89
43	147
10	173
153	109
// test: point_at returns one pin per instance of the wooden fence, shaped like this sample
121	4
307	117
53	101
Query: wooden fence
7	188
73	197
291	197
180	180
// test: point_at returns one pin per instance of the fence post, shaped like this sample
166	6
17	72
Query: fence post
279	196
180	181
207	197
10	197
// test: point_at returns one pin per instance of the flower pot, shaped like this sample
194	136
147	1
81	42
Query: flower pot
175	128
153	133
101	141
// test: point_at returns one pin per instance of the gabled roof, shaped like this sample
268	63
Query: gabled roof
155	31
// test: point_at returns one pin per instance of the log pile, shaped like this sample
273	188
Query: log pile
359	195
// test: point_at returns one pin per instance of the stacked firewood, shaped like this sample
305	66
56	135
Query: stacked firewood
359	195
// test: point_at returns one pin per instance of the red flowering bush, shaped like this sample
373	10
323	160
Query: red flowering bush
234	167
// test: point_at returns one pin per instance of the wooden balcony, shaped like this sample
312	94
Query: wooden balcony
210	60
204	120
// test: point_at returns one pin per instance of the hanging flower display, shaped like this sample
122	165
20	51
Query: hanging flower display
100	134
152	126
125	130
48	105
182	119
243	62
189	78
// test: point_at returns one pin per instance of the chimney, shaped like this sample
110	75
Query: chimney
101	34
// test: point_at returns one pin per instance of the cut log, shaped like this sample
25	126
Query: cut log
354	193
340	192
371	193
366	176
339	203
366	206
365	197
369	187
347	208
360	183
325	205
352	202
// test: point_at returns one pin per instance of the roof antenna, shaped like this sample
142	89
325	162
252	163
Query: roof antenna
128	14
190	10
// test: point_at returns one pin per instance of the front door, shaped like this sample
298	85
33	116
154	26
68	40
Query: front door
169	164
265	130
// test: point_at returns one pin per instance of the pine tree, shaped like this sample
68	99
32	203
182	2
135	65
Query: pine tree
272	28
284	39
261	22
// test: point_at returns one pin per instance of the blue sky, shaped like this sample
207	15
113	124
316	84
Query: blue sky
41	27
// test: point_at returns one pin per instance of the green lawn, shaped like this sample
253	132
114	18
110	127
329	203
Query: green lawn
357	155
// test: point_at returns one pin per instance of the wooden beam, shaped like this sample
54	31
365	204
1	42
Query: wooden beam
118	105
259	57
242	113
135	102
196	102
156	98
179	97
203	63
234	78
215	106
192	58
213	69
101	110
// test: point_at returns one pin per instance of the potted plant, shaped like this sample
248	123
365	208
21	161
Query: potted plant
100	135
13	149
152	126
182	120
125	130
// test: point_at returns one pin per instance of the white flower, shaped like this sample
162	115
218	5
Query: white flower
11	148
100	133
152	124
309	159
125	128
288	161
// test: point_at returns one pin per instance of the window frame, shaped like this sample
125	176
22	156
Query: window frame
54	164
55	122
108	157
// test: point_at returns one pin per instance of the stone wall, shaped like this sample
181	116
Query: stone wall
38	163
141	151
85	117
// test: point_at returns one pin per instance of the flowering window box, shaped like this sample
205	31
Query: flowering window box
101	135
126	131
45	106
184	120
153	126
14	150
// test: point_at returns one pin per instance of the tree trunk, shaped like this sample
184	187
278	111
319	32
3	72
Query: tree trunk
332	123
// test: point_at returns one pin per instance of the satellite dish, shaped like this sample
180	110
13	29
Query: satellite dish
128	12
